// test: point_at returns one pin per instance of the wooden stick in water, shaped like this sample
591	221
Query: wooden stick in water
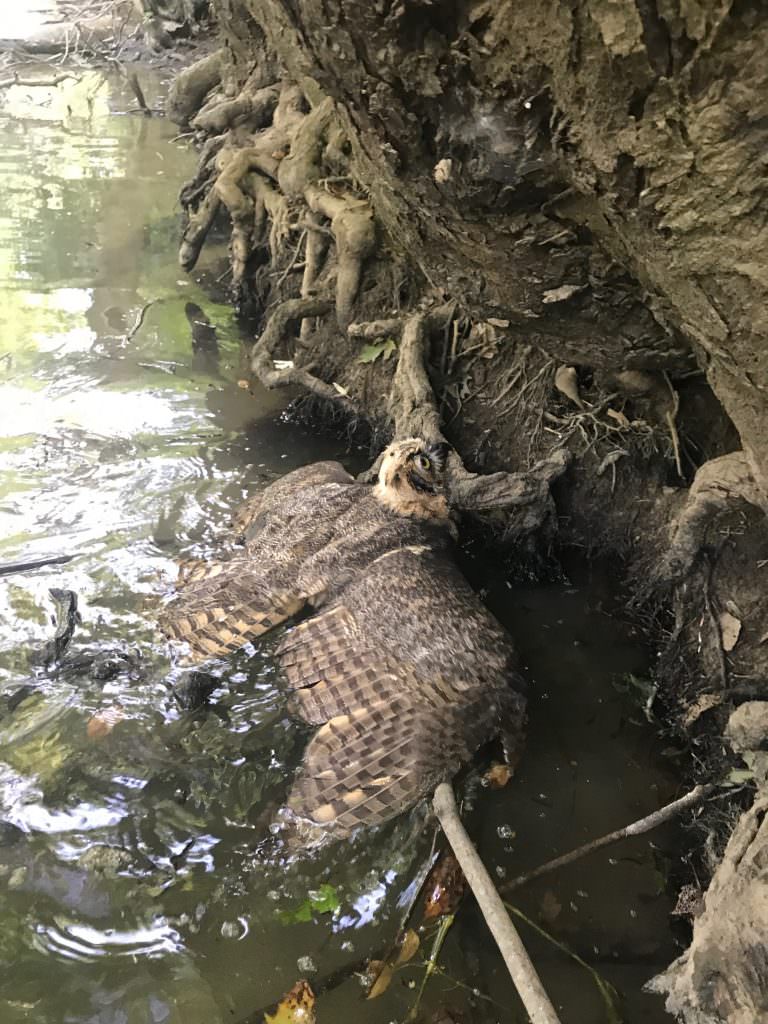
12	567
637	828
522	971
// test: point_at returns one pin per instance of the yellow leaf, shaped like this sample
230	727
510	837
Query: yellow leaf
408	947
383	976
296	1006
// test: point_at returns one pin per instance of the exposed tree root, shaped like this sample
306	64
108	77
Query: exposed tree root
191	86
255	107
272	376
415	413
718	485
262	170
197	229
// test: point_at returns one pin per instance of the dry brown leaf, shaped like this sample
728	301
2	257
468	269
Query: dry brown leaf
445	887
244	384
567	383
619	416
550	907
730	630
562	294
296	1006
497	776
409	947
482	336
104	721
702	703
382	974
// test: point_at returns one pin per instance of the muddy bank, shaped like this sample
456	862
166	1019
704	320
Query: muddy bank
539	235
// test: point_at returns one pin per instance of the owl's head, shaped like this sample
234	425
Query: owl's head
412	478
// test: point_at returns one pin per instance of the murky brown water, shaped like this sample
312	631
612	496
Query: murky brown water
132	888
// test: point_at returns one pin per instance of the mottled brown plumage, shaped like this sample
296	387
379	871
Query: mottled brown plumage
401	667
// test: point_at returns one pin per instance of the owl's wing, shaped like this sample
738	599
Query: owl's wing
222	605
393	724
365	767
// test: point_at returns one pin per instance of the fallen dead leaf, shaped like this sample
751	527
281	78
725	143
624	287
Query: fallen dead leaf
730	630
445	888
497	776
244	384
409	947
567	383
103	722
382	974
562	294
296	1006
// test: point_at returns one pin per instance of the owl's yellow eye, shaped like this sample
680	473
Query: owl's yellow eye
423	462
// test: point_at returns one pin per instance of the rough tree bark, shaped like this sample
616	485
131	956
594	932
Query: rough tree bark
585	185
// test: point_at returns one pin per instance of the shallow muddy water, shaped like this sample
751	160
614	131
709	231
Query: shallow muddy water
132	886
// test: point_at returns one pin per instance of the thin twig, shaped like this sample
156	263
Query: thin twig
521	970
431	965
9	568
722	664
650	821
138	92
293	260
139	319
606	990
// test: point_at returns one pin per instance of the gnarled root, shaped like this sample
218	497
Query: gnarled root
718	485
261	170
262	356
197	229
353	228
254	107
415	412
191	86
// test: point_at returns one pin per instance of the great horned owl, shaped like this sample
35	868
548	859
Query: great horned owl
400	665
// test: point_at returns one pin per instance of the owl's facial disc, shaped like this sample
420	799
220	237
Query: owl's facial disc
414	466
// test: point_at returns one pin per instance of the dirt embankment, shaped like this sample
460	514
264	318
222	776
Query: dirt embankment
538	232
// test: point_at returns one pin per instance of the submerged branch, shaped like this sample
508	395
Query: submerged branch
637	828
9	568
521	970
